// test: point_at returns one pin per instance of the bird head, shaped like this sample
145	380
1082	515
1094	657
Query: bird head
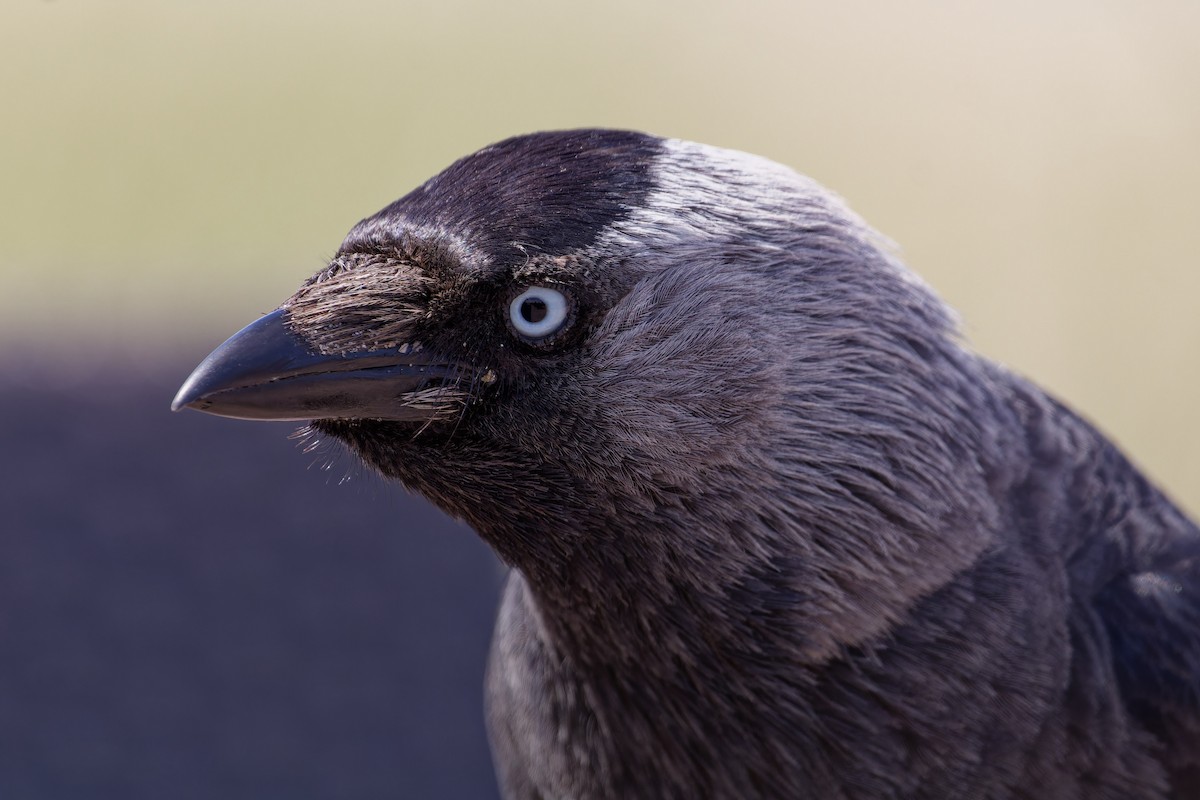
610	343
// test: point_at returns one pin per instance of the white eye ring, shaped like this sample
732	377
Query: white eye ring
538	312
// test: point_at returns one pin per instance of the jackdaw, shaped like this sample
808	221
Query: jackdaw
773	530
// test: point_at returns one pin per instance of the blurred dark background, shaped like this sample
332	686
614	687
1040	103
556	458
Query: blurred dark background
192	607
186	612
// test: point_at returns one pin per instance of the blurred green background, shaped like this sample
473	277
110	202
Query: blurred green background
169	170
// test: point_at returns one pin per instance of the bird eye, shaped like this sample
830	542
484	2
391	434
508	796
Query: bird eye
538	312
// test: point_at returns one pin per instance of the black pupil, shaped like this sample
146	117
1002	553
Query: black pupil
533	309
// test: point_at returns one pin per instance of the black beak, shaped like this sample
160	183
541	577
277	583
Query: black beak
264	371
